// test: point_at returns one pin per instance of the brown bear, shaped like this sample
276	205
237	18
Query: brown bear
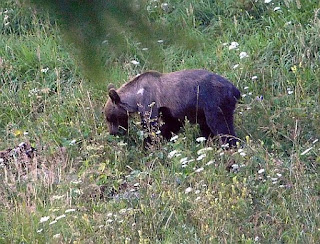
200	96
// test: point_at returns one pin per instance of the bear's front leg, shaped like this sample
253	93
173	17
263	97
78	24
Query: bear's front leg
149	120
166	131
171	124
221	123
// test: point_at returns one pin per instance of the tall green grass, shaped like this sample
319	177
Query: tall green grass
86	186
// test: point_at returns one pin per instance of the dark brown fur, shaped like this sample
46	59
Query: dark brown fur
198	95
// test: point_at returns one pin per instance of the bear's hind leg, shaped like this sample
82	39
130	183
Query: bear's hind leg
204	128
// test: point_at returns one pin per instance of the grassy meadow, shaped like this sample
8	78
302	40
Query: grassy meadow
82	185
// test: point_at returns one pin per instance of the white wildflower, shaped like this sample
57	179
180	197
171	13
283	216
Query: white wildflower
199	170
109	215
61	217
77	191
201	139
260	171
290	92
243	55
203	150
122	211
184	160
57	197
160	41
72	142
210	162
136	184
276	9
222	153
22	144
254	77
233	45
185	163
288	23
53	222
44	219
165	7
226	145
243	154
122	144
174	138
172	153
135	62
70	210
246	88
34	91
259	98
54	209
39	231
306	151
267	1
44	70
76	182
202	156
109	221
235	167
279	175
188	190
235	66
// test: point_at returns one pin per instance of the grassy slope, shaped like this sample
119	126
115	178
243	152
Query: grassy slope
122	193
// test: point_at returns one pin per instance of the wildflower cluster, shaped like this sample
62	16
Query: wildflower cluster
48	222
5	15
156	7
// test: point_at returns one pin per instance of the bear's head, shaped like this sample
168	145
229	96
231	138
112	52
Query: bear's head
115	113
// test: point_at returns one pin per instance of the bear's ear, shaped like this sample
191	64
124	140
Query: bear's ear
111	86
114	96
